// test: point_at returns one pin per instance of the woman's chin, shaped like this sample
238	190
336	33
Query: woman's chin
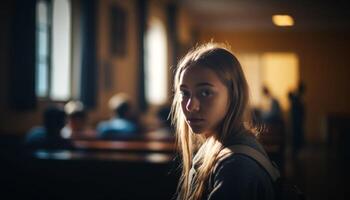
199	131
196	130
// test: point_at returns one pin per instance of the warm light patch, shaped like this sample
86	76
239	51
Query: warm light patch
279	71
283	20
251	65
280	74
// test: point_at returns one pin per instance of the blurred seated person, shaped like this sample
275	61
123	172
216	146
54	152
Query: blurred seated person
76	126
271	110
49	136
123	123
164	128
164	119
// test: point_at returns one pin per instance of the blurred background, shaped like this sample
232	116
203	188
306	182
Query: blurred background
108	67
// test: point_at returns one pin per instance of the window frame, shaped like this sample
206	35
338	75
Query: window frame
48	96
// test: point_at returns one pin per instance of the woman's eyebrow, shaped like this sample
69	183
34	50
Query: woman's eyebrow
204	84
201	84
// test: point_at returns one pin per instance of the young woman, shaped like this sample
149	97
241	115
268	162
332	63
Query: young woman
210	112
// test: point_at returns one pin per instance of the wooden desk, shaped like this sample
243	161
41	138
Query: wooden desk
79	174
103	156
145	146
129	151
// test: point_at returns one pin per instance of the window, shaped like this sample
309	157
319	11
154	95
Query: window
42	49
156	73
53	60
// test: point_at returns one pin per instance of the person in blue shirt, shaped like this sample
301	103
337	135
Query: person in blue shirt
77	122
123	123
49	136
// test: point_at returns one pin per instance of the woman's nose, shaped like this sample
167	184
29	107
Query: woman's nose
193	105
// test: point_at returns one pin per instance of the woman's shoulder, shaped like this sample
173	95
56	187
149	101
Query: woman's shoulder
240	177
249	139
238	165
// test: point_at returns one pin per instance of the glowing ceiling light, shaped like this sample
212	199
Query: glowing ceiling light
283	20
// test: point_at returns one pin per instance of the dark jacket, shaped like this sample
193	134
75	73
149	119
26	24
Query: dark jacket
238	177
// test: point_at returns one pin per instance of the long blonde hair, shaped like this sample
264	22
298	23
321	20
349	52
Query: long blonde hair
220	60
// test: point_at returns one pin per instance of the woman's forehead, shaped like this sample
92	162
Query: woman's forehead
199	75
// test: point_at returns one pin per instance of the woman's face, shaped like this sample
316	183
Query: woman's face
204	99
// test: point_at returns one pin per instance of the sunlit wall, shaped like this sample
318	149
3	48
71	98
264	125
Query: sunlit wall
277	70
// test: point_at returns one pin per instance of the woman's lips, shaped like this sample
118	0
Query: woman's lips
195	121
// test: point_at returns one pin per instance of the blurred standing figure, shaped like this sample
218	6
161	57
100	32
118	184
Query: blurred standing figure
123	123
297	116
273	134
76	126
271	110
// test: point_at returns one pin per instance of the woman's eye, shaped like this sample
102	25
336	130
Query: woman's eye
184	93
205	93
